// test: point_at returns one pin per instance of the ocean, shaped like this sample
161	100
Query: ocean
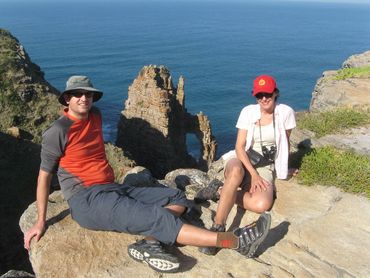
219	47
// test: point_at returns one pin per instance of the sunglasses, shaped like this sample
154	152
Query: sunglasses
262	95
81	93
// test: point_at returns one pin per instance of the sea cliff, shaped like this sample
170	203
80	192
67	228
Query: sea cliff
301	242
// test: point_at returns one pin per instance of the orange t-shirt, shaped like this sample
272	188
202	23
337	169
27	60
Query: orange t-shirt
76	147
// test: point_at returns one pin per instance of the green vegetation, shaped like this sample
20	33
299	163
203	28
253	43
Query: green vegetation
25	100
352	73
343	169
119	162
333	121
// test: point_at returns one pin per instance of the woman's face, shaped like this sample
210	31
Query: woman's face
266	101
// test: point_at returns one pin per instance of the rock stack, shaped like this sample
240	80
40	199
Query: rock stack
154	124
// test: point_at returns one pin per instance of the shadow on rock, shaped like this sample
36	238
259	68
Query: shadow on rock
274	236
19	165
237	219
186	262
55	219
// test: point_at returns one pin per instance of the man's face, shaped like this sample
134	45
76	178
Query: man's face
79	103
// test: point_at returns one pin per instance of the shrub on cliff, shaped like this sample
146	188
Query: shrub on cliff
352	73
119	162
333	121
27	101
343	169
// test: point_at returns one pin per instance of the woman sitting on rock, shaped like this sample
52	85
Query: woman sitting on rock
260	155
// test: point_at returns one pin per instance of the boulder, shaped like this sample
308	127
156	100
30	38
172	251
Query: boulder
316	232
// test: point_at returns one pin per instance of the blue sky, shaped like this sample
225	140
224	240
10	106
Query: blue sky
227	1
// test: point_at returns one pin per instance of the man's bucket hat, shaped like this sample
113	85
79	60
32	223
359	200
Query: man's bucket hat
264	84
79	82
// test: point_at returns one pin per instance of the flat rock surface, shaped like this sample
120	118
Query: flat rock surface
355	139
330	94
316	232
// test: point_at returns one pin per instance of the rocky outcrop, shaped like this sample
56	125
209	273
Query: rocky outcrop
354	139
330	93
28	104
316	232
154	124
27	100
357	60
327	228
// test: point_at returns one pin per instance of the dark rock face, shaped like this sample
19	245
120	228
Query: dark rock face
28	105
155	122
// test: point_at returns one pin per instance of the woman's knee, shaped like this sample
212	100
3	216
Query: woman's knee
234	169
261	205
257	202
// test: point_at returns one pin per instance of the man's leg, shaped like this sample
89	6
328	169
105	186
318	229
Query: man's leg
234	173
177	210
245	240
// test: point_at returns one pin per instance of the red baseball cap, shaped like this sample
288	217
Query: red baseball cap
264	84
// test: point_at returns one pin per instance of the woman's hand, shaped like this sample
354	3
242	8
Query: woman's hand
292	172
258	184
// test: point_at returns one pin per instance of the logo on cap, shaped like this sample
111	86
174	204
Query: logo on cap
261	82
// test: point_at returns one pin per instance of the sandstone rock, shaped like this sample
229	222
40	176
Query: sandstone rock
180	178
216	170
351	92
329	93
138	176
155	122
355	139
316	232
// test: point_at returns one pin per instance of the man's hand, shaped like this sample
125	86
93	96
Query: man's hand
258	184
42	194
36	231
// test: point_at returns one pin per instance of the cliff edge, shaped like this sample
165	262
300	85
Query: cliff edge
332	92
316	232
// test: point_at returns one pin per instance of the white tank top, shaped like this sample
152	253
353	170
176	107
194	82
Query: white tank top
268	137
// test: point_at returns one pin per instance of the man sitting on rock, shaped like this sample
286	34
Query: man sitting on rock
73	146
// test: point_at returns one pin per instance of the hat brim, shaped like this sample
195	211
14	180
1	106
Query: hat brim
255	93
97	94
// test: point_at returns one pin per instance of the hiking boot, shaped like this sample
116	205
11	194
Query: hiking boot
152	253
209	192
252	235
213	250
